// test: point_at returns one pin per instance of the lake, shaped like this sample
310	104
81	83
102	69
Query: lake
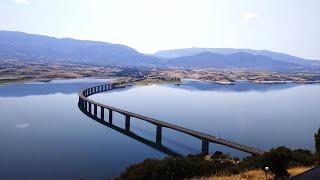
44	135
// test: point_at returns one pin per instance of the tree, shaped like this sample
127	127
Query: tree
278	161
317	145
302	157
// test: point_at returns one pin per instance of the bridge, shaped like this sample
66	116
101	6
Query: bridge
152	144
90	107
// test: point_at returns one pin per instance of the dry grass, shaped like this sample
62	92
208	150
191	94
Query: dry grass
298	170
255	175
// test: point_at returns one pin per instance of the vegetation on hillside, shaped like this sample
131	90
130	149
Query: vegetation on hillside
278	160
317	146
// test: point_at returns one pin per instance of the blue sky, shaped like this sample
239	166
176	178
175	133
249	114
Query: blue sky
288	26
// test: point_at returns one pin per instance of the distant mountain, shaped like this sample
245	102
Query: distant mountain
24	46
236	60
226	51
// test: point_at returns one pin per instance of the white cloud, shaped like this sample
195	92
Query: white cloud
22	2
22	125
250	17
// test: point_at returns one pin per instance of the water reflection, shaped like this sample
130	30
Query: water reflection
45	88
154	145
74	85
241	86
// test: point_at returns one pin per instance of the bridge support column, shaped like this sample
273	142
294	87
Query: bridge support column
85	105
80	102
110	116
159	134
95	110
127	126
205	147
102	113
90	108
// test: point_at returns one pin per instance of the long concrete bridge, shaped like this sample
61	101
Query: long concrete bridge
91	107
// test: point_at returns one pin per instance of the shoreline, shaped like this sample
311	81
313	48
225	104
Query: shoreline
148	82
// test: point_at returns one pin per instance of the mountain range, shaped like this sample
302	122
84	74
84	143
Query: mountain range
23	46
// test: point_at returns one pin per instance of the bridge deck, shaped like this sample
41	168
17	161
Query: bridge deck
156	122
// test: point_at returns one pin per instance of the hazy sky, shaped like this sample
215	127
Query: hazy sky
288	26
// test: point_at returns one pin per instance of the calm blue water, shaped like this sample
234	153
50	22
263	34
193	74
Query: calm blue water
43	134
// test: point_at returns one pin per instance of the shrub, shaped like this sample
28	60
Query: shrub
278	161
317	146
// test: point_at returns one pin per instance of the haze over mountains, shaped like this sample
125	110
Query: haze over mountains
23	46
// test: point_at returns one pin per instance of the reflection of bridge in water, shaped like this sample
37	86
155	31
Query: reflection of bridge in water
152	144
90	108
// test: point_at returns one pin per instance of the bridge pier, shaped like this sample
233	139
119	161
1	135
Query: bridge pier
85	105
205	147
90	108
110	116
95	112
159	134
102	113
127	126
80	102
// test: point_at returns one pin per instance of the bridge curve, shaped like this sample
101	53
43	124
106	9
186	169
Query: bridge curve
89	106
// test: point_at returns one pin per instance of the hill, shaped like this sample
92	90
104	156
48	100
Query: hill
227	51
30	47
24	46
236	60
